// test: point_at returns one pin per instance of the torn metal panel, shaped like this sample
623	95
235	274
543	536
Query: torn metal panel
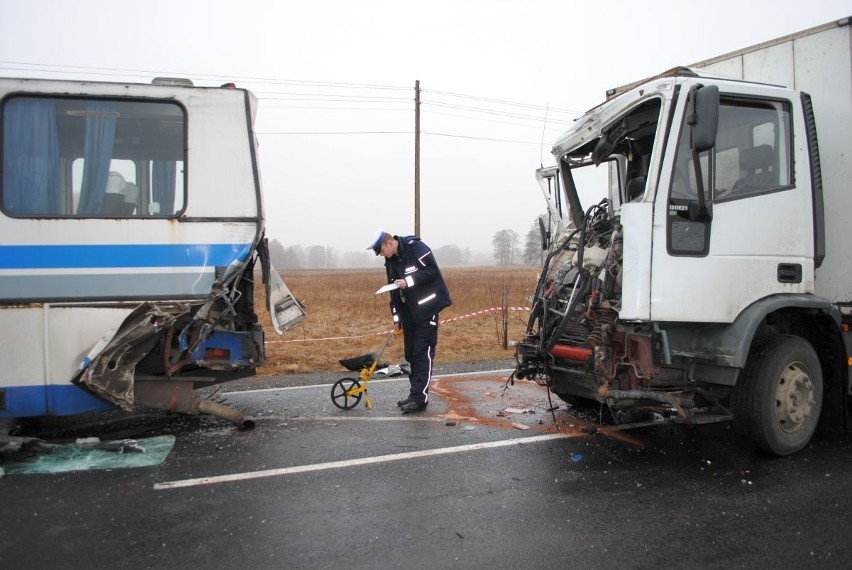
285	311
109	369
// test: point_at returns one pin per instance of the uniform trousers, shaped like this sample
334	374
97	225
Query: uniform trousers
420	339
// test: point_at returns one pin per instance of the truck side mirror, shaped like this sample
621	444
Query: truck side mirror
704	117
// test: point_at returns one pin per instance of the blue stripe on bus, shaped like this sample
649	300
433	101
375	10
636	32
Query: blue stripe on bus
127	285
58	400
132	255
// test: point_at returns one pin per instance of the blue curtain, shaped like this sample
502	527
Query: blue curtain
97	154
31	158
163	191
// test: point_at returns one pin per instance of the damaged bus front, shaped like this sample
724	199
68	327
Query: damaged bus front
131	238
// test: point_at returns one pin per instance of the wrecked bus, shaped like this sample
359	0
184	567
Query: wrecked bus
711	282
131	231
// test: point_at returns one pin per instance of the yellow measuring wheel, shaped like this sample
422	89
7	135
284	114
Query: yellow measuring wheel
347	392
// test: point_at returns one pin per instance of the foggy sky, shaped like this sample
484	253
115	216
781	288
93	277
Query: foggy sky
335	81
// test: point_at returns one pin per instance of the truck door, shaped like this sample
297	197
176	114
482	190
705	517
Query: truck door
752	236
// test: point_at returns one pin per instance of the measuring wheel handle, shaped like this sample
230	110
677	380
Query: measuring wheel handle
346	393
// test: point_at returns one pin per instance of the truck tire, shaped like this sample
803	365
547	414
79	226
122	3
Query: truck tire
778	399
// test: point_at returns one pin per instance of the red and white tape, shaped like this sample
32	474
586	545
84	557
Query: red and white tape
483	311
444	321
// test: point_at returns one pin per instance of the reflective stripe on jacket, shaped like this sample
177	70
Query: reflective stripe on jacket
426	294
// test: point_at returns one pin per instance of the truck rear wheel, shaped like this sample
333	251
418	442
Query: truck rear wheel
778	399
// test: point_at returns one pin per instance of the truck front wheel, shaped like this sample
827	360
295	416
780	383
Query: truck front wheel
778	399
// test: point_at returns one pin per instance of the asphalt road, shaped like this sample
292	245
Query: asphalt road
483	479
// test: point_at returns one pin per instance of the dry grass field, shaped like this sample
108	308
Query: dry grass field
343	303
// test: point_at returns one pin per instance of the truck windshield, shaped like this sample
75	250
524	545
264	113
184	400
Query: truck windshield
616	163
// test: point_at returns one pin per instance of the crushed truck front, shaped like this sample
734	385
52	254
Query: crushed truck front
686	289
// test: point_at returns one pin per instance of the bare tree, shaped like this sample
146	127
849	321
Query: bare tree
293	258
321	257
448	255
277	255
505	244
533	252
357	259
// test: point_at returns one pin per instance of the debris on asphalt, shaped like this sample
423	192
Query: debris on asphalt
92	454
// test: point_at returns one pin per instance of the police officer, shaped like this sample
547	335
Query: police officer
420	295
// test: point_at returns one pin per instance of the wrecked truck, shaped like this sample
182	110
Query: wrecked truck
131	238
708	277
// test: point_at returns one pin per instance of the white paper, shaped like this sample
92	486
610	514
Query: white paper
388	287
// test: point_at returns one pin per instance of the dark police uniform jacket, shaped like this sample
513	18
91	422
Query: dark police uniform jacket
426	293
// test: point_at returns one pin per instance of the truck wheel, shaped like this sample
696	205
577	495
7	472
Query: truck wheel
778	399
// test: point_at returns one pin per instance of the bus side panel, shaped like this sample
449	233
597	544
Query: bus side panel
22	378
72	332
35	378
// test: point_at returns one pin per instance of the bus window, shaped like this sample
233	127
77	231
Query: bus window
66	157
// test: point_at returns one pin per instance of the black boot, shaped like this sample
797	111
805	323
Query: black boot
412	407
401	403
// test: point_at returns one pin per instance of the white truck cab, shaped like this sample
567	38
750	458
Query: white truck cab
712	281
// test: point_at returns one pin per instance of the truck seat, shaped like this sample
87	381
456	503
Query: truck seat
758	167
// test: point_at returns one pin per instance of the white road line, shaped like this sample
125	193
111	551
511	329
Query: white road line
374	381
327	386
479	373
357	462
399	418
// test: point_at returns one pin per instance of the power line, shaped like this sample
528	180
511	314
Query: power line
327	100
335	133
338	108
492	112
476	138
112	71
345	100
503	102
494	121
216	78
287	96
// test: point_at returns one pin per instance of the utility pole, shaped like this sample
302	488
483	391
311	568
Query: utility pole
417	157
